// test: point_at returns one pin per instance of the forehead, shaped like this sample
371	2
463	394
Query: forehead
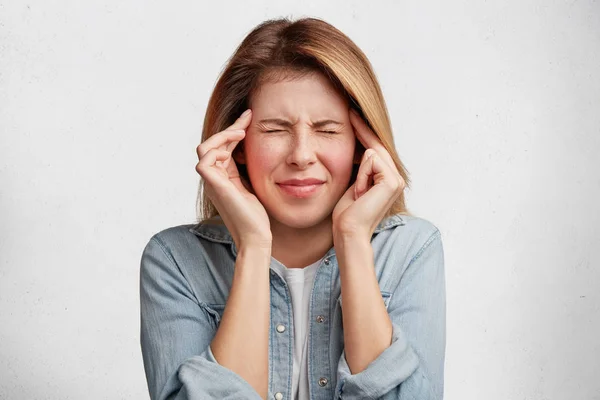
313	95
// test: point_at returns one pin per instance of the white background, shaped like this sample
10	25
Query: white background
496	113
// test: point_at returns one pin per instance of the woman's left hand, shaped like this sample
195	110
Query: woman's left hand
378	185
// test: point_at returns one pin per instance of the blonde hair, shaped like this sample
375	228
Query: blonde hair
283	49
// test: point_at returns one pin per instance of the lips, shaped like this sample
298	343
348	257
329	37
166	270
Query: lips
301	182
301	188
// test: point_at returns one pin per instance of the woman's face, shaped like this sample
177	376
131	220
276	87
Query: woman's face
301	131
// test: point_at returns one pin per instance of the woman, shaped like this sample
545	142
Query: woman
302	216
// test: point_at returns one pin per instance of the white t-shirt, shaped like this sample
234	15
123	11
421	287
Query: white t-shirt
300	282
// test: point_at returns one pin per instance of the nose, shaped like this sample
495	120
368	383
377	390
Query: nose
302	151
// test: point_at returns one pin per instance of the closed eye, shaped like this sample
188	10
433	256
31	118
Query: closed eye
278	130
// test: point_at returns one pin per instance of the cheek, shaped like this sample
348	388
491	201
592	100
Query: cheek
261	155
339	158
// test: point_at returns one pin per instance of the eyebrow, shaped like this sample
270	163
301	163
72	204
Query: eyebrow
284	122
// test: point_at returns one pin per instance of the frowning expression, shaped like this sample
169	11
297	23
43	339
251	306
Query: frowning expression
299	149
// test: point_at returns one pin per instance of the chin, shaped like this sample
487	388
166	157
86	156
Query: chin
298	218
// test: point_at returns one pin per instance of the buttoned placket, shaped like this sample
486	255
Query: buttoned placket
281	336
319	368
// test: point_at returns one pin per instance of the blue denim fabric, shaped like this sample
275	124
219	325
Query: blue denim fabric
185	277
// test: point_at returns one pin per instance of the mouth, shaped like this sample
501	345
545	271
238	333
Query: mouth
300	190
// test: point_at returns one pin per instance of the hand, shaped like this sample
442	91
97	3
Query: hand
241	211
378	184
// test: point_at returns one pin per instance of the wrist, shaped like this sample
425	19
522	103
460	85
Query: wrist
252	258
350	237
352	249
255	244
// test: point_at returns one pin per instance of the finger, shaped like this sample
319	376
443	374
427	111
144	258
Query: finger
364	134
384	192
231	145
211	167
375	172
369	139
221	140
221	158
364	173
243	120
211	158
237	129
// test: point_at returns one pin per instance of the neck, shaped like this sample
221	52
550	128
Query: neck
297	248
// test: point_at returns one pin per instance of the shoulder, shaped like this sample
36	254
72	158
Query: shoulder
180	238
172	238
166	248
196	256
401	240
187	247
408	229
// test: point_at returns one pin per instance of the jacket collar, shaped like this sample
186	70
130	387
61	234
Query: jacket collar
216	231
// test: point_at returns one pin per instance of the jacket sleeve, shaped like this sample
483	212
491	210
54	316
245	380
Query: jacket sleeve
412	367
176	331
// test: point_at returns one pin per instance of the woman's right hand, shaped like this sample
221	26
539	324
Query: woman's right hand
241	211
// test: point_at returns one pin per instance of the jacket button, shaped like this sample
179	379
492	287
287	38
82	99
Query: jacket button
327	261
320	318
322	381
278	396
280	328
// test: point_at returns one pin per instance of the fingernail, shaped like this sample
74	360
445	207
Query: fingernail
246	113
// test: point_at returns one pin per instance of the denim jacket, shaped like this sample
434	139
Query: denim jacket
185	276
